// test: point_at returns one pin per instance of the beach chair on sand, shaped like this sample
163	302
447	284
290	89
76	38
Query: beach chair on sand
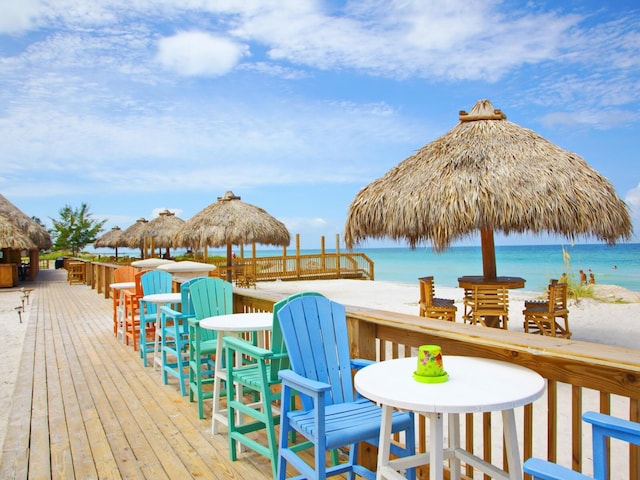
541	317
432	307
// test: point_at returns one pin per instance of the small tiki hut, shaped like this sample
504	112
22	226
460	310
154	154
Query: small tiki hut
135	236
111	239
228	222
40	238
162	231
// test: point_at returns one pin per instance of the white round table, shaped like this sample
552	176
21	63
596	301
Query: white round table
474	385
187	269
234	323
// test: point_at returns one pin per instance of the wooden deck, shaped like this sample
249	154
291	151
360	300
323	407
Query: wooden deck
85	407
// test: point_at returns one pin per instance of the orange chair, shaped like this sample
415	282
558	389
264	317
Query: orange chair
132	311
120	275
540	317
440	308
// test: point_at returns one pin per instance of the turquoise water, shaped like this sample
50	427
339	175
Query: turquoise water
536	263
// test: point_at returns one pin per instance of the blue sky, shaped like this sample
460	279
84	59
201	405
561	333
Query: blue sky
294	105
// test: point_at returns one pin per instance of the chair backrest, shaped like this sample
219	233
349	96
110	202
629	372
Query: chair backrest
558	297
490	297
124	274
426	291
156	281
210	297
315	334
186	306
277	341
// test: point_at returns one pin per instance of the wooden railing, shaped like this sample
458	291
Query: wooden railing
580	376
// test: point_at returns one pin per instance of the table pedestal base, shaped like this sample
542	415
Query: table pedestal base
389	469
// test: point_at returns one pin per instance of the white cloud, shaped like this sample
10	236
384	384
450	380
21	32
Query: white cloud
200	54
18	16
633	200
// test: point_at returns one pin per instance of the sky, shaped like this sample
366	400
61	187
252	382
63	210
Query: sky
137	106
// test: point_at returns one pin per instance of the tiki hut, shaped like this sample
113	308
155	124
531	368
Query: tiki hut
230	221
162	231
135	235
487	174
112	239
37	233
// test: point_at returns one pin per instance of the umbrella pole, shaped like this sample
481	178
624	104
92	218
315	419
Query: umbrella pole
488	253
229	263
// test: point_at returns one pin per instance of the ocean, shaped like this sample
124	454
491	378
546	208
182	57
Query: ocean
611	265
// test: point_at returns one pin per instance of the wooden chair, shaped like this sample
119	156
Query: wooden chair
487	305
120	275
440	308
174	337
152	281
331	416
541	316
259	376
210	296
603	427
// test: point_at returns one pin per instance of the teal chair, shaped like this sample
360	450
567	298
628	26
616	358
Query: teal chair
258	376
174	337
332	416
210	296
153	281
603	427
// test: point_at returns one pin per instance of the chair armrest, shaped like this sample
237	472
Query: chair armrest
614	427
246	348
543	470
359	363
302	384
170	312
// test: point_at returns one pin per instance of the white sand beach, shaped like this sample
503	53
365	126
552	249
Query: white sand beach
614	322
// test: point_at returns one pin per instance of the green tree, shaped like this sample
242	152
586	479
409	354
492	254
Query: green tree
75	228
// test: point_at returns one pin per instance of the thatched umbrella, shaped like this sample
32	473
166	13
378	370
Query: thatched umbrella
13	237
37	233
112	239
229	222
487	174
163	229
133	237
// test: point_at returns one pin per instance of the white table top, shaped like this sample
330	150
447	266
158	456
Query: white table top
122	285
187	266
474	385
150	263
239	322
163	298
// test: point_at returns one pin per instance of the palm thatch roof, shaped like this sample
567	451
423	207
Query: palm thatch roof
13	237
38	234
487	174
133	237
112	239
230	221
163	229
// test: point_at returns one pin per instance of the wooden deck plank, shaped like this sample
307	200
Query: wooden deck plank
85	407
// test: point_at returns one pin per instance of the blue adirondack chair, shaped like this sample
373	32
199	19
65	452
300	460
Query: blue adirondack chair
174	337
332	415
153	281
259	376
603	427
210	296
